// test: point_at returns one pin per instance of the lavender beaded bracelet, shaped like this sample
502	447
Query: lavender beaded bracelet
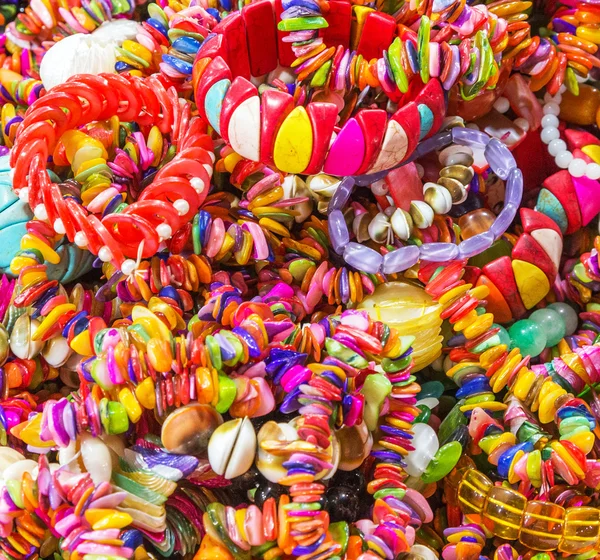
363	258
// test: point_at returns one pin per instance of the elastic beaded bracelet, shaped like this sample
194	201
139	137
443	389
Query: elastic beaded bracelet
364	258
174	196
538	525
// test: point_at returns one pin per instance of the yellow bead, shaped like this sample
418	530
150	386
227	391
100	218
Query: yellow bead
524	383
543	523
155	143
294	142
454	294
19	263
359	18
131	404
159	355
592	151
580	109
583	440
547	407
231	161
101	519
564	454
472	492
532	283
29	432
81	344
503	511
581	530
51	318
481	325
29	241
589	34
155	327
145	393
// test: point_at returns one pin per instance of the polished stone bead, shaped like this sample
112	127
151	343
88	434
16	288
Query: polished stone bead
528	336
532	283
552	324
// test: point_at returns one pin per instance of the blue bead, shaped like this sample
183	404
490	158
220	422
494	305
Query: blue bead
187	45
158	26
507	457
474	387
180	65
122	67
310	4
226	5
214	13
549	205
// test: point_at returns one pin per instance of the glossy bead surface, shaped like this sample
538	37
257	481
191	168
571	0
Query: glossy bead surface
503	512
568	315
543	524
475	222
528	336
551	323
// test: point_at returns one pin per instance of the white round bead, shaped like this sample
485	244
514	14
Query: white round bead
164	230
551	108
59	227
104	254
592	171
40	212
564	159
558	98
556	147
577	167
522	123
549	120
182	206
548	98
128	266
80	239
198	184
24	194
502	104
549	134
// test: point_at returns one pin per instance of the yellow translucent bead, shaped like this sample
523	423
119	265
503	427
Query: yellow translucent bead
131	404
101	519
463	323
138	50
51	318
503	511
472	492
81	344
581	530
145	394
29	241
231	161
543	524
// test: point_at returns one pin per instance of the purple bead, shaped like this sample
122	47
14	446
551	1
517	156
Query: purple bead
362	258
469	137
503	220
341	195
438	252
499	157
338	231
400	259
436	142
475	245
514	188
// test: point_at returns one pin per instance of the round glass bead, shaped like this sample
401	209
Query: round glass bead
528	336
552	324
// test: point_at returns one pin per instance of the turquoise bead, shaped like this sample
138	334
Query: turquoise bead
552	324
549	205
433	389
213	103
426	120
528	336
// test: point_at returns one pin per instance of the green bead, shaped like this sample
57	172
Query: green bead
443	462
342	352
552	324
433	389
227	392
528	336
340	533
423	418
396	65
449	424
375	390
118	421
302	23
423	36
